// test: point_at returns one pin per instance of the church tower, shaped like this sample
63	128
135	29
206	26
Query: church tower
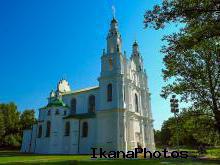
114	41
112	70
111	83
136	57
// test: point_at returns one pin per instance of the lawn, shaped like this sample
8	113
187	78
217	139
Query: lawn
9	157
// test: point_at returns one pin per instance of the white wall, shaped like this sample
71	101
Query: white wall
25	147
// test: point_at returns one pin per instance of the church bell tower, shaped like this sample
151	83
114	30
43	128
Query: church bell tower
112	85
112	69
114	38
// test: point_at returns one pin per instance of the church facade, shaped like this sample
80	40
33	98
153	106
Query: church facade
115	116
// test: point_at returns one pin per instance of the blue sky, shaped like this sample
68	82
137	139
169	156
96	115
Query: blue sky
43	41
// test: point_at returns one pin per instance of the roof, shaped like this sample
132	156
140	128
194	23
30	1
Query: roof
81	90
81	116
135	43
55	102
114	20
58	102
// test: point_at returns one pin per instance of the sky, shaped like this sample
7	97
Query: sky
44	41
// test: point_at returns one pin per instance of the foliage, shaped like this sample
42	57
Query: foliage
11	117
2	127
192	55
12	124
27	119
12	140
193	130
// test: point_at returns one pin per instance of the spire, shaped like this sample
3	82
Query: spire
114	25
114	22
113	11
136	57
135	48
114	38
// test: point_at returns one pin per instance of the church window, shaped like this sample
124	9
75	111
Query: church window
136	103
73	106
48	129
67	128
57	112
91	105
109	92
110	64
112	49
124	93
48	112
39	131
140	68
85	129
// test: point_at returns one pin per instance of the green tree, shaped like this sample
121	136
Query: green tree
200	127
167	132
157	138
27	119
193	129
11	124
192	55
2	127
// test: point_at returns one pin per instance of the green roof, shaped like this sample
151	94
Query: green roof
55	102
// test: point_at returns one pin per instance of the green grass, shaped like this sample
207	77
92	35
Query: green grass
9	157
213	153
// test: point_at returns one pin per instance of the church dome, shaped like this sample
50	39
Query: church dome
63	86
114	21
135	43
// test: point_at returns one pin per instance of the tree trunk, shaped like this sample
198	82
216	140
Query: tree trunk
217	118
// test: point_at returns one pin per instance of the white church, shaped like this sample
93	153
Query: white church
115	115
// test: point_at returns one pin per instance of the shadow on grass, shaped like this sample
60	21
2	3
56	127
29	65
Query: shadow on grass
128	162
87	160
17	153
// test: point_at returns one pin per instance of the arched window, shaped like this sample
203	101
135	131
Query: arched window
67	128
109	92
39	131
57	112
91	105
48	129
85	129
73	106
136	103
124	93
48	112
110	64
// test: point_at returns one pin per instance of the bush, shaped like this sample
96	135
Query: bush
12	140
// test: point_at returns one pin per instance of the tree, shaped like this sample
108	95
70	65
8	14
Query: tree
27	119
2	127
193	130
158	138
11	118
11	124
168	131
192	55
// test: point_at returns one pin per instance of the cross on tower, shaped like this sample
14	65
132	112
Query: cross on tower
113	11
